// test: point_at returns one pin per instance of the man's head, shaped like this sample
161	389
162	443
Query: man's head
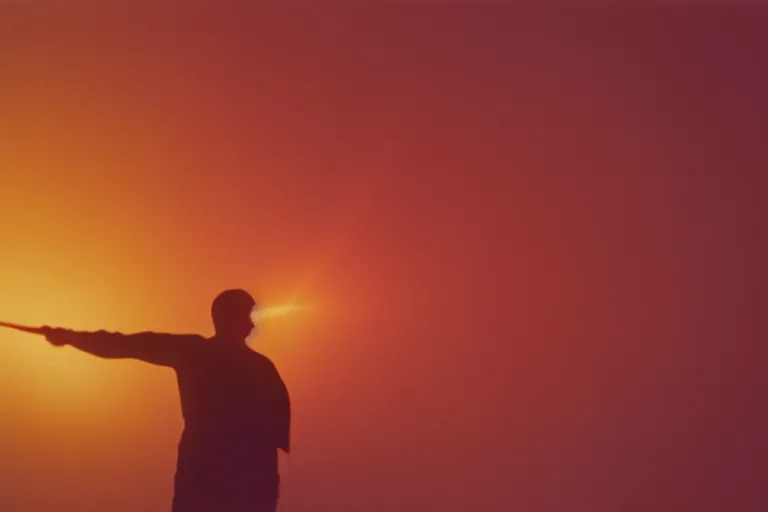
232	315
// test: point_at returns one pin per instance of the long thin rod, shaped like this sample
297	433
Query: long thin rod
23	328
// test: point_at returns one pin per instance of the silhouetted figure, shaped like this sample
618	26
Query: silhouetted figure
235	405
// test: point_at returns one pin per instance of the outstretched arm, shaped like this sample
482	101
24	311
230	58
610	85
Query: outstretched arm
156	348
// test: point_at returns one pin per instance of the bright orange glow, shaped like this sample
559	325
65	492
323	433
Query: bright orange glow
37	293
277	311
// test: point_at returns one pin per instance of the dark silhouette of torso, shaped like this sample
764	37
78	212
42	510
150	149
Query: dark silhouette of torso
236	416
231	399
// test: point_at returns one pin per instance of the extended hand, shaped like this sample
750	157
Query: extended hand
55	336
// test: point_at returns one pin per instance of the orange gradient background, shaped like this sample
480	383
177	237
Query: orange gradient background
530	247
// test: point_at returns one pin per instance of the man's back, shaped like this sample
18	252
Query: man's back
236	413
231	397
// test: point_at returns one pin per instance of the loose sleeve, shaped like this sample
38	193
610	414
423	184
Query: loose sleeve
156	348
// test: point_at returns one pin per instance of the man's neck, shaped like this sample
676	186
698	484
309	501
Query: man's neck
235	343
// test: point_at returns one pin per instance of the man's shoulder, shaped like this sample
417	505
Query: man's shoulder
163	334
194	338
262	361
259	358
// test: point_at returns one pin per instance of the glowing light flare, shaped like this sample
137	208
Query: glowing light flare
258	315
276	311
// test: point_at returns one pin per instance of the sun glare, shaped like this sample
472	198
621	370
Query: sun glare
276	311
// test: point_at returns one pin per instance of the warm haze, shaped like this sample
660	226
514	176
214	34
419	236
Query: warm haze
530	247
